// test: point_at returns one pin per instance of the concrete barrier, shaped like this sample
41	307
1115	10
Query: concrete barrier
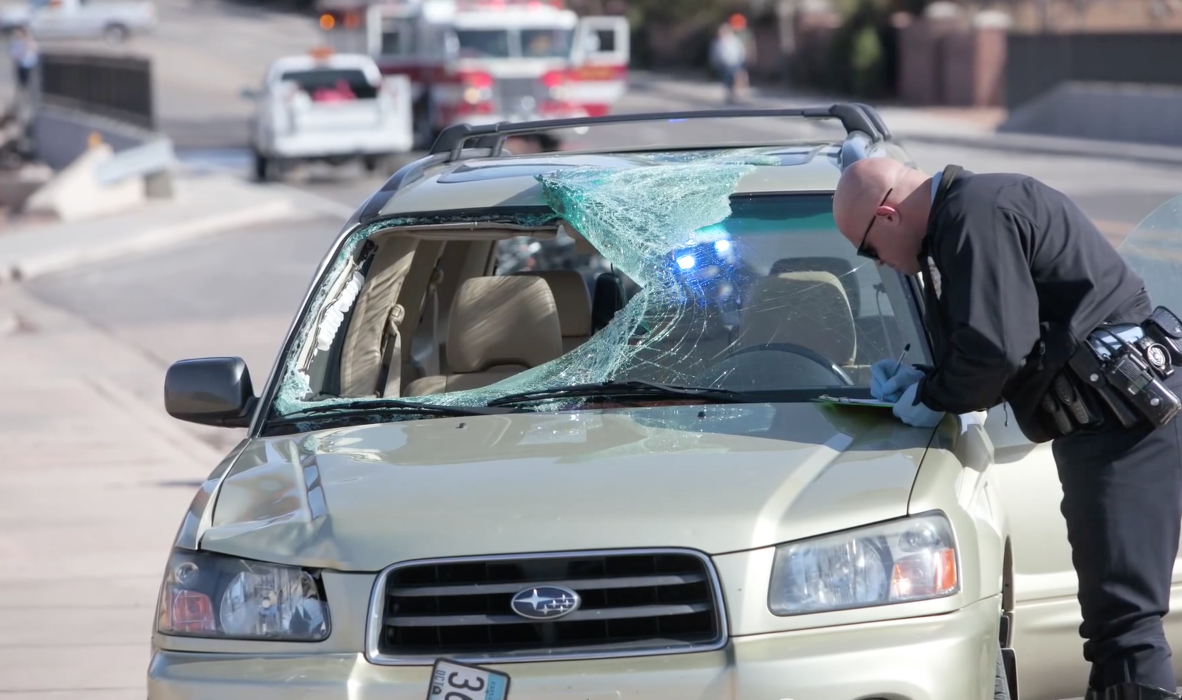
75	192
131	164
1148	114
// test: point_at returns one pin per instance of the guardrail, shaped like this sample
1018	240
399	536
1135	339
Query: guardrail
117	87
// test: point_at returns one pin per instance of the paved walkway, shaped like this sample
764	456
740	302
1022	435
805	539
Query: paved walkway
96	483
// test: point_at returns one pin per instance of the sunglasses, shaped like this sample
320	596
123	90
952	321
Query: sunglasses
865	251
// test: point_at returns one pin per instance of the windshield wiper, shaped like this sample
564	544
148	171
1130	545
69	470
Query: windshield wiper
363	406
628	389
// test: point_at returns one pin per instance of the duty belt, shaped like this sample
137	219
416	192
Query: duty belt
1120	367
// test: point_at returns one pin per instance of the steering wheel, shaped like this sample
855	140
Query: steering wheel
799	350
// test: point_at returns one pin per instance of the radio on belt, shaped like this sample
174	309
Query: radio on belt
1133	360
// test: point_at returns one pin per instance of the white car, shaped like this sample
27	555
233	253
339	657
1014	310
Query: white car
80	19
332	108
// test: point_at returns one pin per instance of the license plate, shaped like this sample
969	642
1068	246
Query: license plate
454	681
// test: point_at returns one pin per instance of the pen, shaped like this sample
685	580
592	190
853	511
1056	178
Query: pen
906	349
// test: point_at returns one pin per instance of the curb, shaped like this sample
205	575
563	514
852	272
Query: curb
151	240
192	447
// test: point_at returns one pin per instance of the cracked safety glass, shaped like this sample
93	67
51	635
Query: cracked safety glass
653	272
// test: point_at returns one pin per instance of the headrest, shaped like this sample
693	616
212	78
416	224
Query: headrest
802	308
573	300
509	320
840	267
608	299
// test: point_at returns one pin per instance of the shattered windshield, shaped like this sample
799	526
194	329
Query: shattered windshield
656	274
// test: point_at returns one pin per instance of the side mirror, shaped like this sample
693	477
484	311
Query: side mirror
248	94
211	391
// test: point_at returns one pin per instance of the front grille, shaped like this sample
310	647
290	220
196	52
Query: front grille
518	94
632	603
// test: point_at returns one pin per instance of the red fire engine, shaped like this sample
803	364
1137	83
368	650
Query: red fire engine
484	61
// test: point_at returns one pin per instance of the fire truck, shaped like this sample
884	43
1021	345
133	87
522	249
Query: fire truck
485	61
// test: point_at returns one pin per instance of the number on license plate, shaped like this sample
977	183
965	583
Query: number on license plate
454	681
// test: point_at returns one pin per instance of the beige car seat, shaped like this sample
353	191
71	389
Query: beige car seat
499	326
574	304
803	308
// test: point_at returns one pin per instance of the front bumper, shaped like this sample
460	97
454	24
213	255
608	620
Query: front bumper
926	658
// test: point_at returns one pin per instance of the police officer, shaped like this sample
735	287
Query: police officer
1015	278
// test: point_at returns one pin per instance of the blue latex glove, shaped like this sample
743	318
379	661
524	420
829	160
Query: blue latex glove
909	410
887	383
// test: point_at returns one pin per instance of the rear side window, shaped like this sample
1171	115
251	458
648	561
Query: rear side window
336	84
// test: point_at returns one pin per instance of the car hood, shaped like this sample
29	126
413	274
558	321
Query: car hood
718	478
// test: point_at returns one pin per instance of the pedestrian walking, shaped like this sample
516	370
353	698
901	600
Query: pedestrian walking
24	55
1017	285
728	55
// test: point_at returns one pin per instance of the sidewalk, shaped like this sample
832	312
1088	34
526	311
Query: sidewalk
96	484
203	204
953	126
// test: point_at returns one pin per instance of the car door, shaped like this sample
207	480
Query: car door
1047	616
600	54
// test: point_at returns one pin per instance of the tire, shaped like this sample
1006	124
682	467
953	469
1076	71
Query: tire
116	33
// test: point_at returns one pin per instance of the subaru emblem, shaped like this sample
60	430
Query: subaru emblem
545	602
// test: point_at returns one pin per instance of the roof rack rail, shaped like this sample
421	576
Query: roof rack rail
875	117
853	116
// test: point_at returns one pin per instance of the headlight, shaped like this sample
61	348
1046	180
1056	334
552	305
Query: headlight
210	595
901	561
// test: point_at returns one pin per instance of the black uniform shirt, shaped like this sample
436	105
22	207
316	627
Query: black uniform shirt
1012	257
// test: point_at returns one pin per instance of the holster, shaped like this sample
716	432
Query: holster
1113	378
1124	368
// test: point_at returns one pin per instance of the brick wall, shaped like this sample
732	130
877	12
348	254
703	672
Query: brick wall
947	61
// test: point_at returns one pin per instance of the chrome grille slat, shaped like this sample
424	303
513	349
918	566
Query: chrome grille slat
586	584
610	614
633	603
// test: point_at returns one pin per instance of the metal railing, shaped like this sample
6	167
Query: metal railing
118	87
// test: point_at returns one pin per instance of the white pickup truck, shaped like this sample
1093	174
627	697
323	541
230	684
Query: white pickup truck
332	108
79	19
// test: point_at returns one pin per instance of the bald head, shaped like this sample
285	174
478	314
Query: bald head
883	191
861	188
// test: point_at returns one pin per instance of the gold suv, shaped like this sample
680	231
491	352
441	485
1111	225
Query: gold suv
588	426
